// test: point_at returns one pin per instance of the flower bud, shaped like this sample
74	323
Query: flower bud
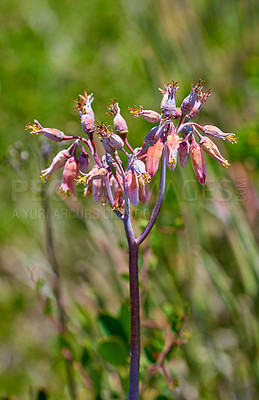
184	152
83	161
198	162
97	188
213	131
212	150
51	133
143	191
132	186
70	173
153	157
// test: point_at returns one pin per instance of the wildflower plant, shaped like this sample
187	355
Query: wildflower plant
173	137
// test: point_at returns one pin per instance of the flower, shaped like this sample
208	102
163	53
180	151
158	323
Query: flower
83	161
51	133
86	113
119	122
70	174
111	142
149	115
198	162
213	131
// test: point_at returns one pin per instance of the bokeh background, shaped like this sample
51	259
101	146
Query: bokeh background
202	253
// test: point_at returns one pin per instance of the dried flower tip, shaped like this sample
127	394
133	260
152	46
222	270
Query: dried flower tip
213	131
113	108
212	150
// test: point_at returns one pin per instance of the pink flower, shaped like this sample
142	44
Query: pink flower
86	113
70	173
51	133
120	124
198	162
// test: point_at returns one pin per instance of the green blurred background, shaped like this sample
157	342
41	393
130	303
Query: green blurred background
203	250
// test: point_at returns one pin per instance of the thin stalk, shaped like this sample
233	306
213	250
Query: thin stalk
62	328
158	204
134	306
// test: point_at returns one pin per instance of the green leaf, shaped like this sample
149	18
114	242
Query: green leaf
113	350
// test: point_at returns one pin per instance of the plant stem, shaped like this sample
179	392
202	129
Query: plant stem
158	204
134	308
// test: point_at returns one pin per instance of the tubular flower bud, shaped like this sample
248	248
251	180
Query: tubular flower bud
212	150
70	174
120	124
170	106
198	162
58	162
149	115
184	152
51	133
83	161
153	157
110	141
132	186
143	191
97	188
86	113
189	101
201	98
116	184
171	150
213	131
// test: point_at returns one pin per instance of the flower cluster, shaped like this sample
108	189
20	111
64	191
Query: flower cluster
175	135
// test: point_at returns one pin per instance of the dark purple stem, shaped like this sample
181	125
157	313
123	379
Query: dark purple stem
134	306
157	207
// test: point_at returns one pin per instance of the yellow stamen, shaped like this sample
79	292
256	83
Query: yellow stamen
34	128
172	161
